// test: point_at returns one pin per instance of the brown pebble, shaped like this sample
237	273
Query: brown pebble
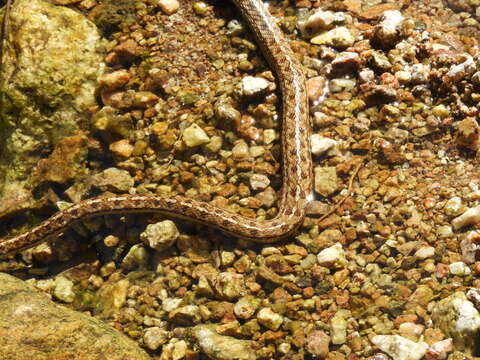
315	88
122	148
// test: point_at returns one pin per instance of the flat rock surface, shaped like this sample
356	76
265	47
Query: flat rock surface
33	327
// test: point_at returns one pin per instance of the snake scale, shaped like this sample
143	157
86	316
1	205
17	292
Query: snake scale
296	158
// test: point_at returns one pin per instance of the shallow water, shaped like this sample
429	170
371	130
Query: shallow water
124	97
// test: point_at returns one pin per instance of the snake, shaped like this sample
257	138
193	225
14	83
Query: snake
297	182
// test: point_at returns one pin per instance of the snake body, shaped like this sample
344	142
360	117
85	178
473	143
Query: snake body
297	163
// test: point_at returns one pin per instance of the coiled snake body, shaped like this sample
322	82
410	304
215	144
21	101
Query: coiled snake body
297	172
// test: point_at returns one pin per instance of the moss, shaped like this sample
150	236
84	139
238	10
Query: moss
111	14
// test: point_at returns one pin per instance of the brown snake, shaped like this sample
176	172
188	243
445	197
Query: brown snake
296	157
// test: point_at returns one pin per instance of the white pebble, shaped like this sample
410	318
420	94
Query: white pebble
342	84
389	29
321	20
425	252
338	37
459	268
269	319
469	217
440	349
321	144
168	6
254	85
453	206
332	257
259	182
400	348
460	71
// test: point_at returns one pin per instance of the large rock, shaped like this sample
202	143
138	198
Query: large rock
51	64
34	327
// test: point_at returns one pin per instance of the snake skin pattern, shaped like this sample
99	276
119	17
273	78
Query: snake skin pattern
296	157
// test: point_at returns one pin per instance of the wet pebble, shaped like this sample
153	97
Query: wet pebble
320	20
389	30
114	80
137	256
259	182
339	37
63	289
185	315
469	217
113	179
269	318
254	86
332	257
194	135
122	148
168	6
222	347
458	318
154	337
400	348
318	344
246	306
160	236
326	180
